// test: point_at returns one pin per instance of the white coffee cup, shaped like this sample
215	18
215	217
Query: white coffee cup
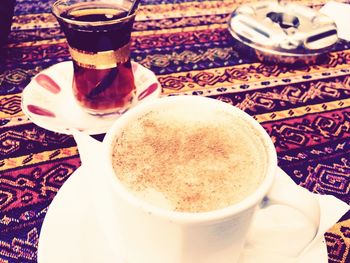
145	233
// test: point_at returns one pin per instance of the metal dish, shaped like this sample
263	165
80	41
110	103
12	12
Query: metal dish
283	32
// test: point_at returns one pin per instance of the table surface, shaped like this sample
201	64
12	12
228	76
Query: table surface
305	110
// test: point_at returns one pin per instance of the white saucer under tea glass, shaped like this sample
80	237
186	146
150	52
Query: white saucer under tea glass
53	107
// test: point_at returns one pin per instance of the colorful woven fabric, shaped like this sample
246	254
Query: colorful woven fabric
306	111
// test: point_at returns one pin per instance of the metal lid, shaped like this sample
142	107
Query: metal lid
283	30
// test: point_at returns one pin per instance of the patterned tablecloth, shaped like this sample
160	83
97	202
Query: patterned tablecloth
186	43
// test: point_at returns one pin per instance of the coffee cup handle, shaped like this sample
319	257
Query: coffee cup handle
285	192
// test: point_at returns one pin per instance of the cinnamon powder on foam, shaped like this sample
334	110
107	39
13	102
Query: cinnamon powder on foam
189	161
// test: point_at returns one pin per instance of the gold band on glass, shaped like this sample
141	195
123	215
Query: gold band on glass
100	60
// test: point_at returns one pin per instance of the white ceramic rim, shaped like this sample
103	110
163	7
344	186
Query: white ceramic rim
186	217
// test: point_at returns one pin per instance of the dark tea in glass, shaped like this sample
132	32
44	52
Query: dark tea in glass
98	35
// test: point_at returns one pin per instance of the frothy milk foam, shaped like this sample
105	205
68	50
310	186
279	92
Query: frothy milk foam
189	160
